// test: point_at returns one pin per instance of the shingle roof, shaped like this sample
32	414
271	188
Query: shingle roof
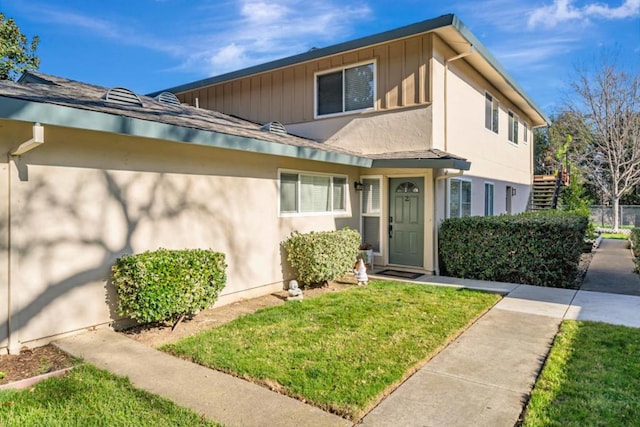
50	89
188	124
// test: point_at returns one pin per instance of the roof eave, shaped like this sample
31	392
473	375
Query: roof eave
422	164
406	31
63	116
493	62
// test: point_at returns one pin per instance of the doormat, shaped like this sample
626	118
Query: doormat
397	273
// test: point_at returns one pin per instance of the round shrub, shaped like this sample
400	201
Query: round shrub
167	284
322	256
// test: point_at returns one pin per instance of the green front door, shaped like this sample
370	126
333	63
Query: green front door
406	221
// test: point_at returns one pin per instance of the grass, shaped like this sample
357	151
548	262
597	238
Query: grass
591	377
618	236
88	396
341	351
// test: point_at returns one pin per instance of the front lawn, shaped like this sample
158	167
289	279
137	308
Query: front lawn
87	396
591	377
341	351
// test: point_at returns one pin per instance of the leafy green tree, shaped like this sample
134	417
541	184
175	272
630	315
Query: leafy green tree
17	53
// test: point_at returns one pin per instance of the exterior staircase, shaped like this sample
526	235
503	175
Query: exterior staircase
545	192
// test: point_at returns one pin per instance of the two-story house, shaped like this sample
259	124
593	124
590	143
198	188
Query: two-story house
387	134
407	99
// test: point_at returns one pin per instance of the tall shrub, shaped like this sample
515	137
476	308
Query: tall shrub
541	248
168	284
322	256
634	237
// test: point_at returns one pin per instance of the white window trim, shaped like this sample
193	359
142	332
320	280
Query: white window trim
344	67
525	133
516	120
449	193
493	199
493	98
337	212
374	215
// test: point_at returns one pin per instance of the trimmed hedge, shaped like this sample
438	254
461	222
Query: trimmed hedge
535	248
322	256
634	236
168	284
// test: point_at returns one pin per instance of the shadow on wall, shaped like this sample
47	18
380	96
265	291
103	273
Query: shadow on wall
69	225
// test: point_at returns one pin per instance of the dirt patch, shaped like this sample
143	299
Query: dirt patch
32	362
158	334
583	266
37	361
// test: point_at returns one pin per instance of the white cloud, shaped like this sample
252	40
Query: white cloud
564	10
84	24
222	36
264	31
231	56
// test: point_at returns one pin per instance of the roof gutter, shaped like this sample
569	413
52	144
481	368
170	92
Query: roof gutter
77	118
446	163
472	40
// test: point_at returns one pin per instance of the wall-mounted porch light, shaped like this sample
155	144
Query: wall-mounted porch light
513	191
358	186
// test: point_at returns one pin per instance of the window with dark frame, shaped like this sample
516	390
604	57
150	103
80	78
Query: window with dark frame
345	90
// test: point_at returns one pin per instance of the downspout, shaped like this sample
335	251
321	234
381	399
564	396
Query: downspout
446	90
446	175
13	340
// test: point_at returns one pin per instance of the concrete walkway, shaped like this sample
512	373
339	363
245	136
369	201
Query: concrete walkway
611	270
220	397
482	378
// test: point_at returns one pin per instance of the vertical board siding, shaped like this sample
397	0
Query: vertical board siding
287	95
396	74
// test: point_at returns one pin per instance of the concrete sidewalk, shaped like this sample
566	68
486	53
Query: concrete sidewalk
485	376
482	378
220	397
611	270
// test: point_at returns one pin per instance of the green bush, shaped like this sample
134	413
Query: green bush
322	256
537	248
634	237
168	284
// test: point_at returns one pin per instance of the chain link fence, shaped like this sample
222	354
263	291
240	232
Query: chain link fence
602	216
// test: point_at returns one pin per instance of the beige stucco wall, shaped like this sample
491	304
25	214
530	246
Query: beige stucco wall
372	133
492	156
84	198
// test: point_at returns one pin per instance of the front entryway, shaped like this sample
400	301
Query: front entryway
406	221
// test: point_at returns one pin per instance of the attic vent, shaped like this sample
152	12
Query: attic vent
121	95
274	127
168	98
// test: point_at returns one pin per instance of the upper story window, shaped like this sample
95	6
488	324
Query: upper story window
525	133
310	193
513	127
345	90
491	110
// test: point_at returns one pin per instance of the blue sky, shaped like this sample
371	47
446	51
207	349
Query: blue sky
148	45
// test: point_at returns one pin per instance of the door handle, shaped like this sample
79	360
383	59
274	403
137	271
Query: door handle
390	231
